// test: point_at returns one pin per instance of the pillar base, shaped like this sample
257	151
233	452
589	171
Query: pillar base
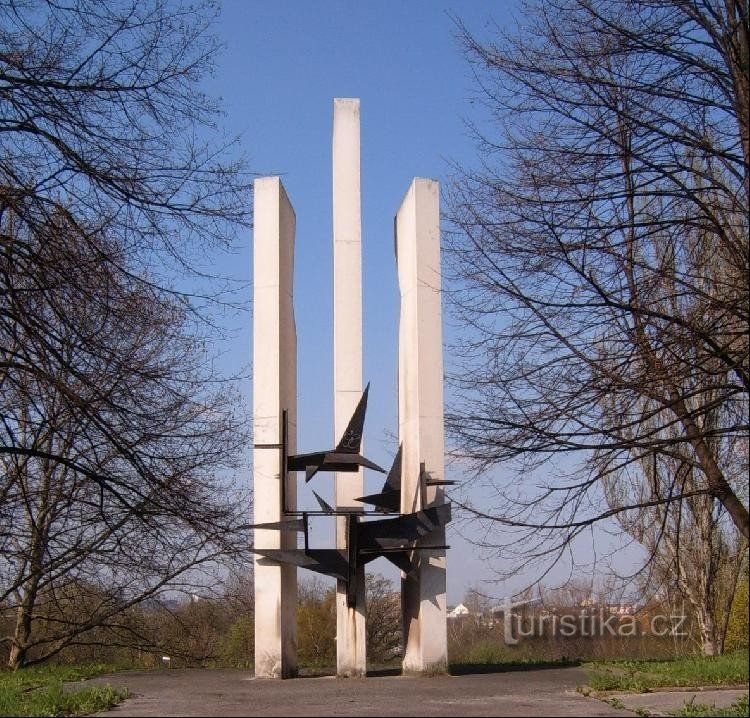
433	669
351	633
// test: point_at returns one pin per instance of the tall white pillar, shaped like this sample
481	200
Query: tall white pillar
420	414
351	655
274	391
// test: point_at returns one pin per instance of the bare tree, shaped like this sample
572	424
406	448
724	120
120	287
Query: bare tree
383	619
696	553
116	433
101	110
600	261
695	548
316	623
117	437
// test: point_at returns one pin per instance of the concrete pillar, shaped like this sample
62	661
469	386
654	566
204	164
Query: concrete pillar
351	656
274	391
420	414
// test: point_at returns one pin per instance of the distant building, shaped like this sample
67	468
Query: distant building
457	611
621	609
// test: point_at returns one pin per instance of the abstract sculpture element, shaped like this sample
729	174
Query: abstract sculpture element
393	538
345	457
389	498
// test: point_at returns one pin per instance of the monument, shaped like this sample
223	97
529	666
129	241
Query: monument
407	522
274	425
351	655
420	419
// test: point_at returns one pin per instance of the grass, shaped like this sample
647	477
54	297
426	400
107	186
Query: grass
494	653
738	708
40	692
689	671
616	703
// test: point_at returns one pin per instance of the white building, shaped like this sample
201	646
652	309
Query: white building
459	610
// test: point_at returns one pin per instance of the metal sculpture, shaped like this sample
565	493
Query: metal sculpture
345	457
396	538
389	498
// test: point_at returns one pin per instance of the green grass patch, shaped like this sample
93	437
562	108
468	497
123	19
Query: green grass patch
738	708
492	652
689	671
40	691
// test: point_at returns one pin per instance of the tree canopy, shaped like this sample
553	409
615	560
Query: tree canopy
599	258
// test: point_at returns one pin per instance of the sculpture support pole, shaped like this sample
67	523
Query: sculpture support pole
351	657
420	414
274	391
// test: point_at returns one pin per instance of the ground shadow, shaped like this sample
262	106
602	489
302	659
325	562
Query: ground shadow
456	669
384	672
316	672
467	669
377	671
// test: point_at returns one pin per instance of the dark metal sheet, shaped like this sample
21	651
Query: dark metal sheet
409	527
389	498
352	523
345	457
390	501
293	525
324	505
329	562
401	548
393	480
401	560
351	440
329	461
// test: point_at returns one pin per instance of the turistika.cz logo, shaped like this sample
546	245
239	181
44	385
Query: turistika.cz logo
597	622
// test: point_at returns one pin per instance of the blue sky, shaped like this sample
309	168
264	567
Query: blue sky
283	64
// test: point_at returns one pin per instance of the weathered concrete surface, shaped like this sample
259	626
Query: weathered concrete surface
665	702
274	391
420	417
549	692
351	647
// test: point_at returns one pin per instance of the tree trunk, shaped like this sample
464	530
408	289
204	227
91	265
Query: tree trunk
20	644
717	484
711	642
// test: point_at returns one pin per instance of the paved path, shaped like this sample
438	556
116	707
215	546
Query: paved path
549	692
663	702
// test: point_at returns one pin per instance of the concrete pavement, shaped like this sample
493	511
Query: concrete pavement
195	692
667	702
